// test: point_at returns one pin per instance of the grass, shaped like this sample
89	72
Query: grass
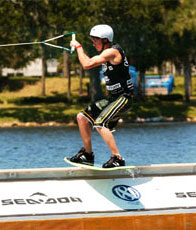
24	103
171	106
20	102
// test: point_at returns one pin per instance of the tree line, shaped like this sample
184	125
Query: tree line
150	31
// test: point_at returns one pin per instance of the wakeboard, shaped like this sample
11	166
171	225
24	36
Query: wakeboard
96	167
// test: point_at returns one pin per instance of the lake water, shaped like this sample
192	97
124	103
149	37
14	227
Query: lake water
140	144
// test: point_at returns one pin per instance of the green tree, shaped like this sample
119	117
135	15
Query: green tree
62	16
13	30
140	30
79	16
25	21
36	14
181	26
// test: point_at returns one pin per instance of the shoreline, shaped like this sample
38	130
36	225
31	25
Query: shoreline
138	120
35	124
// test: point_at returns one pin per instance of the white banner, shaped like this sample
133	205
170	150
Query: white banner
100	195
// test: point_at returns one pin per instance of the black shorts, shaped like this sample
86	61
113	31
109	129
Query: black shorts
107	112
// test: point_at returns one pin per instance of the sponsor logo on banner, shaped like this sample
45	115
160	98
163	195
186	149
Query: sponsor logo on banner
126	192
185	194
40	198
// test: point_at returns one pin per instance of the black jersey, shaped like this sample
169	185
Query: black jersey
117	78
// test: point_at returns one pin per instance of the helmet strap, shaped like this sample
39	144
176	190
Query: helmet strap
104	42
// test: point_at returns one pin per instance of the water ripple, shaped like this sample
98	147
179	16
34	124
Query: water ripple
140	144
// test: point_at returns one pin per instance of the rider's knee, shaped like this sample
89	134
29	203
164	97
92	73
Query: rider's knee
81	118
99	129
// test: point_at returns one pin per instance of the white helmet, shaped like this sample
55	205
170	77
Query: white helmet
102	31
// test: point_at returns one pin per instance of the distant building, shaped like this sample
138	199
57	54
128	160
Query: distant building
34	68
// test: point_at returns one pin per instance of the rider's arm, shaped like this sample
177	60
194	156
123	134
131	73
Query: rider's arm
110	54
88	63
